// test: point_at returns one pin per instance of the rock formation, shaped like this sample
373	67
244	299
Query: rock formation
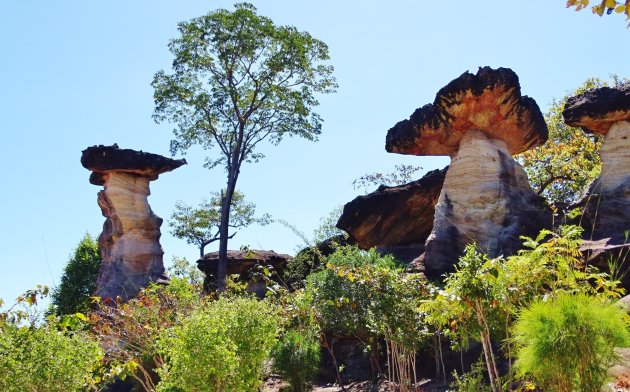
249	265
480	121
606	203
130	242
396	220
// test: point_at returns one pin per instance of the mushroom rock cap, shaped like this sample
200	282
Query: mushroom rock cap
392	216
489	101
596	110
102	159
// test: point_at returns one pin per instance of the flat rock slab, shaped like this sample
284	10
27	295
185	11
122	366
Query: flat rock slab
394	216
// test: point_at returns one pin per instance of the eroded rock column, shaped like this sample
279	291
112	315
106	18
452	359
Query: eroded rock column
132	256
480	121
606	203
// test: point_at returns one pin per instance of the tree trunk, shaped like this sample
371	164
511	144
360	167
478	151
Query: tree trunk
224	227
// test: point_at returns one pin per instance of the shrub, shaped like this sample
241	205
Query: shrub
296	358
47	359
220	347
129	332
566	344
342	302
473	381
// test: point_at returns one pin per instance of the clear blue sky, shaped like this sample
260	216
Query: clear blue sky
78	73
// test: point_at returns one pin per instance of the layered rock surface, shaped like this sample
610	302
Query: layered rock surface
480	121
606	203
486	199
396	220
131	253
246	264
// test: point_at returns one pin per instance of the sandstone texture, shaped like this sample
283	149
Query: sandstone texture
396	219
248	264
595	111
486	199
130	242
480	121
606	203
489	101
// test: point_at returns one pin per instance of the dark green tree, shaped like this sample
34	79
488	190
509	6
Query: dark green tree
78	280
239	79
200	226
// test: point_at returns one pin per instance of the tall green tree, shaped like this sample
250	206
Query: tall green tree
200	226
79	279
239	79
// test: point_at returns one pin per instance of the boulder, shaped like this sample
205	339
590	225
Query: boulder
248	264
606	203
480	121
131	253
396	220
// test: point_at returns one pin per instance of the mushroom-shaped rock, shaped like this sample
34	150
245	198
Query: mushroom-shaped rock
480	121
248	264
606	203
396	220
131	253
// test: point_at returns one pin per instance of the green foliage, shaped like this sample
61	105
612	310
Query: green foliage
325	240
200	226
129	332
222	346
341	301
46	359
79	279
561	169
56	355
483	297
566	344
473	381
183	269
296	358
239	79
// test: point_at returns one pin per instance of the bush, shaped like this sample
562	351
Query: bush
46	359
221	347
566	344
78	280
296	358
473	381
129	332
342	303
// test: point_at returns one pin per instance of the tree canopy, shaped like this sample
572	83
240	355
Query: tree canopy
200	225
237	80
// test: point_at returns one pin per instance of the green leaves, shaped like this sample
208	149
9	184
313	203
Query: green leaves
221	347
239	79
200	226
79	279
567	343
562	168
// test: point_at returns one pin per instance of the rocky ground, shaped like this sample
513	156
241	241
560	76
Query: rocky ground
275	384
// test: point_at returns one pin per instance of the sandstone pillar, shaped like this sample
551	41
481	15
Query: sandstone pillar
131	253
